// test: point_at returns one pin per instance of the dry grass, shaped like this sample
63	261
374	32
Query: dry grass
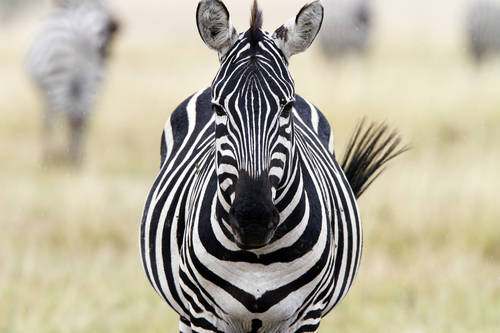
69	250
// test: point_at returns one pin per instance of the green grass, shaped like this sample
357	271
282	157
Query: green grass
69	242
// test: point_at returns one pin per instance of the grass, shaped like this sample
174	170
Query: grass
69	242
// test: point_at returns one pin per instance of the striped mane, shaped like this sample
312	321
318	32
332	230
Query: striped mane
255	24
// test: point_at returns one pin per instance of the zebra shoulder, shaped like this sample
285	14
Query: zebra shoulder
185	122
313	118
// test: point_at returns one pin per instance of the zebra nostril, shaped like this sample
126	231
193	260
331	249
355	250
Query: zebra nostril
276	216
274	220
253	229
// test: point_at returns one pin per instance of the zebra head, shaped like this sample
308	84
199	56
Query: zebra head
95	18
252	99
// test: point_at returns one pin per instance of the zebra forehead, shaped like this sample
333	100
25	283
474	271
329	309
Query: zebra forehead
263	64
255	42
253	87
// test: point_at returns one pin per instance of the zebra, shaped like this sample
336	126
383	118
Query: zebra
482	27
251	224
347	27
67	62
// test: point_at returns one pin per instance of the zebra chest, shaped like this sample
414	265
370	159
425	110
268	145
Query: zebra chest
241	293
272	285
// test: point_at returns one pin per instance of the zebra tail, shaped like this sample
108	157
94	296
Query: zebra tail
367	153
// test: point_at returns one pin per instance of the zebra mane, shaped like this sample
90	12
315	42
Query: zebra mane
255	23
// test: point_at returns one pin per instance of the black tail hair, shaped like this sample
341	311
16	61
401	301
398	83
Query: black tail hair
367	152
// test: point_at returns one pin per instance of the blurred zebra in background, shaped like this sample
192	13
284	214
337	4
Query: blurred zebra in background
482	24
67	61
347	27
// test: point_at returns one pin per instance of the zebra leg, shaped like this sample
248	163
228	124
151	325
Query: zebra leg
47	148
76	123
478	54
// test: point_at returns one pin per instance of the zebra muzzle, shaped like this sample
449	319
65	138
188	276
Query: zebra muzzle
253	216
254	231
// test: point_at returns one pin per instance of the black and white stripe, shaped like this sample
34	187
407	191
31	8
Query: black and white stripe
67	62
251	224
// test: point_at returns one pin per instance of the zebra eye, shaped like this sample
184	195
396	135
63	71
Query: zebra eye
218	110
286	110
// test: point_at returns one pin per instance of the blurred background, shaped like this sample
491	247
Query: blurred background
69	258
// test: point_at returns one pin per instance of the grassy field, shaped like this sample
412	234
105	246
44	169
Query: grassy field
69	258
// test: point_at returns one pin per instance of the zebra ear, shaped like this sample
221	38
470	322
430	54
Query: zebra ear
215	27
298	33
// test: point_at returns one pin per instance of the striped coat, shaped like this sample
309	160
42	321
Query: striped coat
251	225
67	62
482	29
189	260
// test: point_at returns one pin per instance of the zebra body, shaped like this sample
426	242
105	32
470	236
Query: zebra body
251	224
287	284
347	27
67	62
482	25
